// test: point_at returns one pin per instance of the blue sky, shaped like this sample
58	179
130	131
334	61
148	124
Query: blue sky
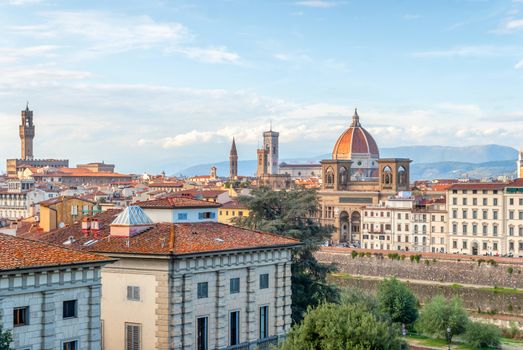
161	85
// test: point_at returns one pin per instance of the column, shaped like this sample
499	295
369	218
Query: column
279	301
251	311
287	305
188	322
221	312
94	324
176	319
48	321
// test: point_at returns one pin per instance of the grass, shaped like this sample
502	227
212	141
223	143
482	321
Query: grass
502	290
442	343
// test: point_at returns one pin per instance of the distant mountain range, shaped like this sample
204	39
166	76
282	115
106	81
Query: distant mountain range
429	162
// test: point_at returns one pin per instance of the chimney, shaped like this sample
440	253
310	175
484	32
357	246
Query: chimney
86	226
95	228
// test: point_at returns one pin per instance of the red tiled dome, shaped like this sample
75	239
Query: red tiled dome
355	141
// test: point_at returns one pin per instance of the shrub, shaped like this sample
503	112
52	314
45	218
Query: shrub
417	257
368	254
403	257
480	261
440	314
361	254
345	326
481	335
354	254
510	270
427	262
5	339
412	258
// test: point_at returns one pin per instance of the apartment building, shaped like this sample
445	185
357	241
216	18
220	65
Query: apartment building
192	285
50	296
477	218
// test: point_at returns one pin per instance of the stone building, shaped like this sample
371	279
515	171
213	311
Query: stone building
267	171
50	296
356	177
27	134
193	285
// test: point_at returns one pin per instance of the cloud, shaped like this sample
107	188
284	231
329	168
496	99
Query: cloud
513	24
15	54
410	16
98	33
318	3
460	51
519	65
20	2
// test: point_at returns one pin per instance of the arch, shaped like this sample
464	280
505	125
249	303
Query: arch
329	177
344	225
355	222
343	176
387	176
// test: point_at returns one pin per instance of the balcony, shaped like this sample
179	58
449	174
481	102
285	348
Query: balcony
260	344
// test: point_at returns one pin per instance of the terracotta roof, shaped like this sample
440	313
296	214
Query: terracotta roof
355	140
191	238
166	184
479	186
59	199
19	253
202	193
516	183
176	202
234	204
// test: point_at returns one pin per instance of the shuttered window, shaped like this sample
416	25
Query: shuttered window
133	334
133	293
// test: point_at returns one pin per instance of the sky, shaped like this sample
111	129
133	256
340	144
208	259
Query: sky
161	85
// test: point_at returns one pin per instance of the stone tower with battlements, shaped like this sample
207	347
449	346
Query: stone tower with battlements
27	133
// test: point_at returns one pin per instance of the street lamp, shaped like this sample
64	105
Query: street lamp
448	337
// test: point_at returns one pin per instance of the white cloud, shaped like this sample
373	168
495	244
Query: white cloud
15	54
519	65
410	16
459	52
98	33
463	108
21	2
514	24
318	3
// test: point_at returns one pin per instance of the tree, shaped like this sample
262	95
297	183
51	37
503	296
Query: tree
398	301
5	339
292	214
481	335
442	314
345	326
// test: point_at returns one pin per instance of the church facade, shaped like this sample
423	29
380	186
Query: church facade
356	177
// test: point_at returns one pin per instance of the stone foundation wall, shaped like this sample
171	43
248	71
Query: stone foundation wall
464	271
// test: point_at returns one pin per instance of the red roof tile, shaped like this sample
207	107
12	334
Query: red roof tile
19	253
479	186
176	202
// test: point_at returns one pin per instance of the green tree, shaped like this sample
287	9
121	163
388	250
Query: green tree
398	301
481	335
292	214
442	314
5	339
345	326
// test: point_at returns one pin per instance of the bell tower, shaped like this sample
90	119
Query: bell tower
233	161
27	133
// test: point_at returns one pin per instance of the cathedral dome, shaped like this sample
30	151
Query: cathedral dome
355	143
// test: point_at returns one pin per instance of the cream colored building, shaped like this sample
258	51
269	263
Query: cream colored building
476	219
192	285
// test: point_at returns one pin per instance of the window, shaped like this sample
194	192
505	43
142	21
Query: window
464	201
234	328
70	345
133	293
485	201
235	286
264	322
454	228
182	216
495	230
474	201
511	201
203	290
70	309
202	333
264	281
206	215
495	214
464	244
133	335
495	201
464	213
454	201
455	244
474	214
464	229
485	214
21	316
495	246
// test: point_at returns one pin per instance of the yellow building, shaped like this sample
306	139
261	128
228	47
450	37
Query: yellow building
231	210
64	210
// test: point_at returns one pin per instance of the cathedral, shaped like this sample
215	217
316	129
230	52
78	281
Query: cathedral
356	177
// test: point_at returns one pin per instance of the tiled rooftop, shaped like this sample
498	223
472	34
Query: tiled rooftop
173	202
19	253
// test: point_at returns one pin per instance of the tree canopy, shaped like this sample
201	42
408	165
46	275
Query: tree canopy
398	301
5	339
440	314
293	214
345	326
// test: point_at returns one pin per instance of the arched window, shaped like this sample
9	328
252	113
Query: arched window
387	176
343	176
402	176
329	177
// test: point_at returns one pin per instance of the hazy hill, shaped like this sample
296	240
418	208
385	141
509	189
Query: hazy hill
428	161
